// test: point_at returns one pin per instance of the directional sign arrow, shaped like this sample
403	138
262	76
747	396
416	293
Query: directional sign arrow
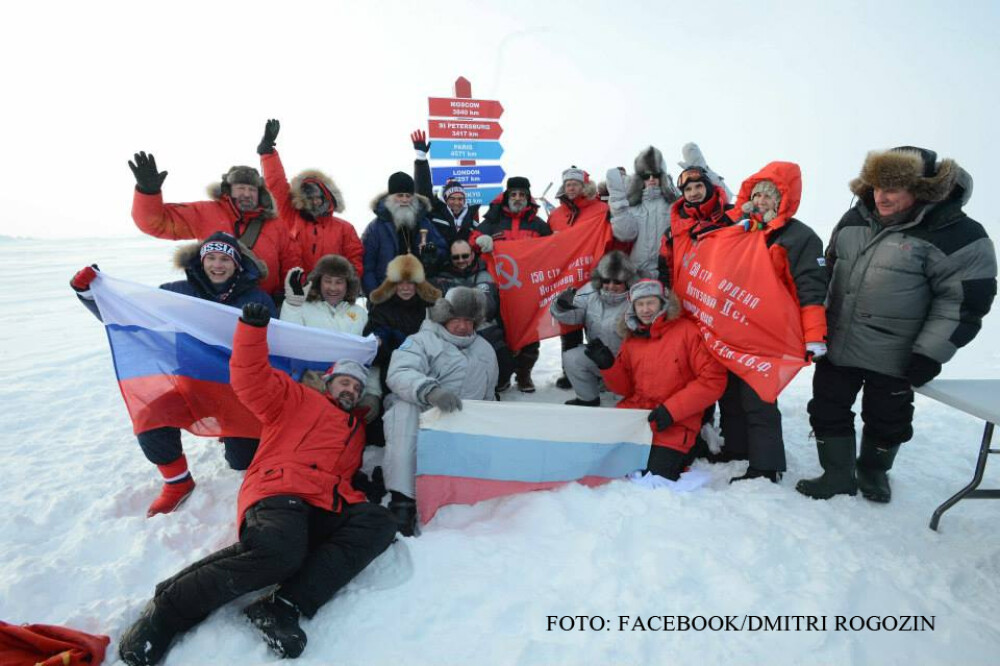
466	150
464	129
464	108
468	175
481	195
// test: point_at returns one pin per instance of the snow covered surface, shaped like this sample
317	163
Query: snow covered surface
480	583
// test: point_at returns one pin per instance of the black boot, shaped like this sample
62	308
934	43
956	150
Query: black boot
146	641
836	455
563	382
277	620
873	463
666	462
580	402
404	510
754	473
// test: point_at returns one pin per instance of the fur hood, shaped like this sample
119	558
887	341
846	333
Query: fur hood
378	207
187	255
321	179
334	265
589	190
650	160
629	325
249	175
787	177
615	265
915	170
405	268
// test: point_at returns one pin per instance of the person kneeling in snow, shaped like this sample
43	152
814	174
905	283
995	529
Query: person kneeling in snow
437	367
223	270
662	366
302	525
599	307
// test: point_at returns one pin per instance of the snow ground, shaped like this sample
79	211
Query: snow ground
478	585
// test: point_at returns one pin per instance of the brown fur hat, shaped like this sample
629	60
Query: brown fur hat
245	175
466	302
405	268
189	252
320	178
615	265
913	169
334	265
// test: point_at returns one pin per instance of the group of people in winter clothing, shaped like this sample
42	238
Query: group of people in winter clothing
903	283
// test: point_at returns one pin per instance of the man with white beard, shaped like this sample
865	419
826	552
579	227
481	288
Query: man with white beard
401	226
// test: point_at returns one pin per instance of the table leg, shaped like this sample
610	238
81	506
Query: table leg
984	450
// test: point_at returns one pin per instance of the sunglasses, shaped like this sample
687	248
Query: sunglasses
457	257
646	175
603	281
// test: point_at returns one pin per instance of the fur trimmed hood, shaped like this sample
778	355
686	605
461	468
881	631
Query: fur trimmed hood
188	255
615	265
589	190
650	160
319	178
466	302
249	176
629	324
378	207
405	268
916	170
334	265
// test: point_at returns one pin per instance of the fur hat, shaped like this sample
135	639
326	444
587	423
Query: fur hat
575	173
404	268
519	183
347	367
245	175
646	287
615	265
334	265
650	161
465	302
914	169
323	181
401	183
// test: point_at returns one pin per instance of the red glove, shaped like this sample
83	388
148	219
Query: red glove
81	281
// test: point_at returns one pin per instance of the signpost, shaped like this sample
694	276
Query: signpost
466	130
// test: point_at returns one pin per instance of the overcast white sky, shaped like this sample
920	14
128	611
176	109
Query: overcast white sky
85	85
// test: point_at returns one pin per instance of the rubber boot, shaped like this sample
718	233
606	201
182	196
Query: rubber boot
404	510
873	463
177	487
836	455
277	620
754	473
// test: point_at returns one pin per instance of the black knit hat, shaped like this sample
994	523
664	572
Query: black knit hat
401	183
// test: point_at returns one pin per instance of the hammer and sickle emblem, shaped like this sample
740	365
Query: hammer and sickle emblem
507	271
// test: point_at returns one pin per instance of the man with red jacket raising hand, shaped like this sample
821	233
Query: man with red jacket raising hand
302	525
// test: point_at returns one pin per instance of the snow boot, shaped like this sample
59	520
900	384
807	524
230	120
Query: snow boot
580	402
754	473
277	620
836	455
172	495
147	640
404	510
873	463
563	383
666	462
524	383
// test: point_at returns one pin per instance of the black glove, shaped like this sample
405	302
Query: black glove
428	252
295	281
661	417
600	354
922	369
266	145
147	179
256	314
565	300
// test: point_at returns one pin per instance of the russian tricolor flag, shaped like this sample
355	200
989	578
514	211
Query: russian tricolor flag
171	355
491	449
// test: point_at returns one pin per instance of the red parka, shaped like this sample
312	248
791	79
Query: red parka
318	237
667	364
580	210
309	446
201	219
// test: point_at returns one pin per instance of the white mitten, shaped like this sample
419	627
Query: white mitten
295	291
485	243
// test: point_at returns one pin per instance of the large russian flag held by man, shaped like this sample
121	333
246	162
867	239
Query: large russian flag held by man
531	273
491	449
171	355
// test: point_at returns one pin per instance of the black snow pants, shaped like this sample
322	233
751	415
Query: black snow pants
886	403
310	553
751	427
163	445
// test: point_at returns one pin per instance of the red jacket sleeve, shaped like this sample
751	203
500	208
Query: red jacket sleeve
707	386
174	221
277	185
262	389
618	378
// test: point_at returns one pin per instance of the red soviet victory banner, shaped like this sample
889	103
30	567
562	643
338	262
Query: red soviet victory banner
748	318
530	273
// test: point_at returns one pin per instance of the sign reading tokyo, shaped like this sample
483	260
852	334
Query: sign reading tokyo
463	129
464	108
481	195
466	150
468	175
